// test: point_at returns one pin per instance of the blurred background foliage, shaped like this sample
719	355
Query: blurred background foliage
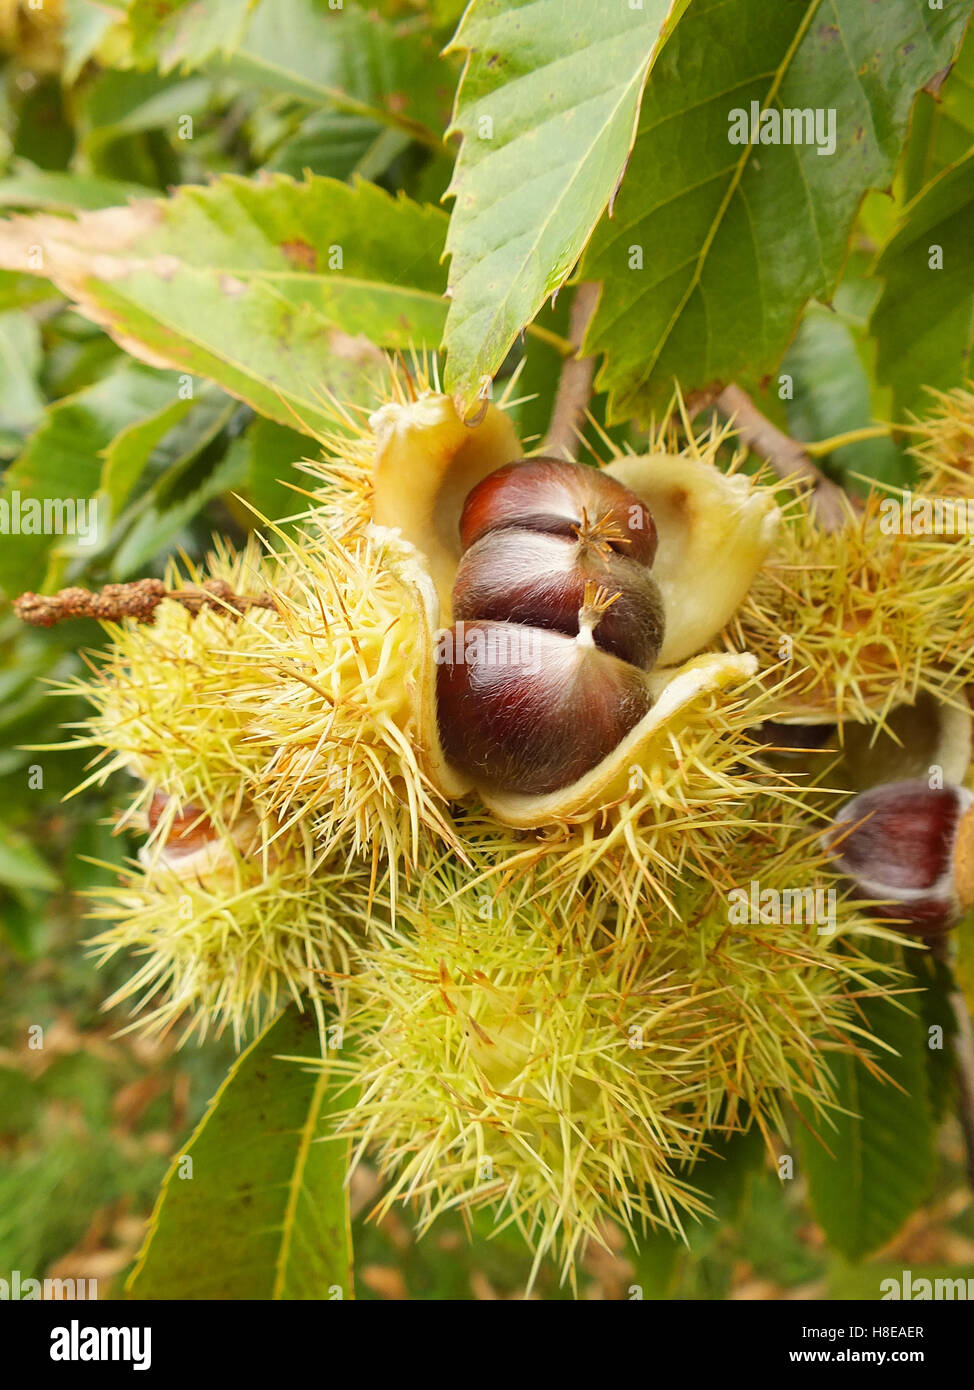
104	101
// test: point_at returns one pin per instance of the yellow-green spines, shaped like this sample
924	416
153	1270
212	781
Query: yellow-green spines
515	1051
861	619
943	444
225	939
169	696
334	713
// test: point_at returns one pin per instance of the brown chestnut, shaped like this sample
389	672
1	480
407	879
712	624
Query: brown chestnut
524	709
189	829
559	498
528	577
911	846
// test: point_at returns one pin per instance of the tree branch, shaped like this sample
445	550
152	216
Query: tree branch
575	382
786	457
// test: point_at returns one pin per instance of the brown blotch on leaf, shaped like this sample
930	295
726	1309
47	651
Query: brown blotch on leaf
300	254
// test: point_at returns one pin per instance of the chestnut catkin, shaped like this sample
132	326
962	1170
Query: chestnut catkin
518	576
525	709
560	498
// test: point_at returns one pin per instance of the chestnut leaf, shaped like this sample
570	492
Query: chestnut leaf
872	1163
276	289
347	58
265	1213
715	247
924	319
547	109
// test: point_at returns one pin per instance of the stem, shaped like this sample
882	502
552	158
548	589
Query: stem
545	335
789	459
138	599
575	382
825	446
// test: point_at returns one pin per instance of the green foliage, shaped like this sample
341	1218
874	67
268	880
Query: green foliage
263	1212
546	109
275	290
735	239
236	209
874	1162
924	320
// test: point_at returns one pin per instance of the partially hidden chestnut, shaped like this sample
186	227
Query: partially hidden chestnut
539	579
558	497
529	710
910	846
189	829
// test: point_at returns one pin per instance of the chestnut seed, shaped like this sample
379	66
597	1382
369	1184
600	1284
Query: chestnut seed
912	846
517	576
559	498
190	829
525	709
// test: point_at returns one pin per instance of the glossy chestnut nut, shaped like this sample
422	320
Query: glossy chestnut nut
529	710
911	846
538	579
559	498
189	829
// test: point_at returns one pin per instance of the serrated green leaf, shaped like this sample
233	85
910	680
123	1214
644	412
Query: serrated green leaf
130	450
86	24
169	33
61	461
832	365
924	320
880	1158
547	109
350	59
272	451
265	1213
934	1006
332	143
156	529
240	283
715	247
18	291
48	191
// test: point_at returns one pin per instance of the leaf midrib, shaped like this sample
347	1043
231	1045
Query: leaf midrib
732	188
638	79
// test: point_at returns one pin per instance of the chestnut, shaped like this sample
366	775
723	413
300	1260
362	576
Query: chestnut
912	846
560	498
529	710
529	577
189	830
557	620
